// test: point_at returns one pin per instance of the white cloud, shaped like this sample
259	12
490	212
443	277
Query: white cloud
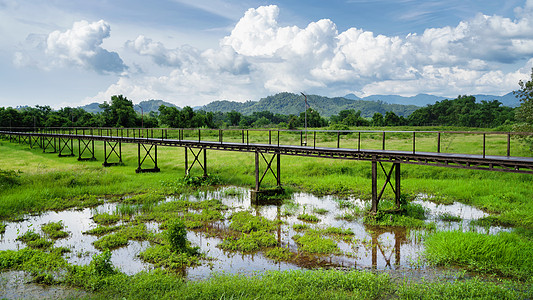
81	46
261	57
78	47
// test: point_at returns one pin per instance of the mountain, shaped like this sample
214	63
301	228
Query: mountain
288	103
425	99
147	106
151	105
92	108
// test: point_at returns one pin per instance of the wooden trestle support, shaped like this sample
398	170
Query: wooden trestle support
85	147
66	144
113	146
196	159
257	193
388	176
147	154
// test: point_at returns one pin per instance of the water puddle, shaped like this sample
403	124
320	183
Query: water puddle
370	247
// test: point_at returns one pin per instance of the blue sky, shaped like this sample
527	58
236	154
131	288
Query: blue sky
192	52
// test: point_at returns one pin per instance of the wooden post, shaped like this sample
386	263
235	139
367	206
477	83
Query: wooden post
205	162
375	200
186	162
397	177
256	171
279	169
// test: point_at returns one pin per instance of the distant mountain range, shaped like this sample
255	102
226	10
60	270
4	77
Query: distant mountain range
289	103
425	99
147	106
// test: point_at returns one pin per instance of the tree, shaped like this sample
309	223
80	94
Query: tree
524	113
120	113
377	120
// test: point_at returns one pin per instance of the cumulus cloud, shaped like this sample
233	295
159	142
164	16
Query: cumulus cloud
260	56
80	46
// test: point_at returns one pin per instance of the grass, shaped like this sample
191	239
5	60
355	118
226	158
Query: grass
54	230
249	242
280	254
507	254
449	217
313	242
33	182
244	221
106	219
308	218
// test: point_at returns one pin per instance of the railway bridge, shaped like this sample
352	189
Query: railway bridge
489	151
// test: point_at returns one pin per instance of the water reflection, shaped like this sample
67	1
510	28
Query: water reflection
371	247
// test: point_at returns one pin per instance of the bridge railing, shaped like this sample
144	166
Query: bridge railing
460	142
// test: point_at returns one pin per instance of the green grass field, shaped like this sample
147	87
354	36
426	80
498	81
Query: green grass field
32	181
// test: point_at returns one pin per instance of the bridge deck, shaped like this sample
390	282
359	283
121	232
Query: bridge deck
453	160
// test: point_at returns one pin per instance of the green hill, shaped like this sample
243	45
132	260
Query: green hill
288	103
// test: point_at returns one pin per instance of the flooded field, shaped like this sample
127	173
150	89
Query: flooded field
339	221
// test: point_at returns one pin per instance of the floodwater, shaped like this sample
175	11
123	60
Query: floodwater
396	250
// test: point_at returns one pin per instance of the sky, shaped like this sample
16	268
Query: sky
192	52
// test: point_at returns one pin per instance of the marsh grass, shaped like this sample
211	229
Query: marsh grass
121	237
249	242
448	217
308	218
106	218
313	242
54	230
300	227
244	221
34	240
508	254
280	254
102	230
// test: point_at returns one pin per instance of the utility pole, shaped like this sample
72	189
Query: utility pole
306	105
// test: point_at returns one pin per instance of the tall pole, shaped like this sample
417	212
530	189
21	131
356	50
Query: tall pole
305	99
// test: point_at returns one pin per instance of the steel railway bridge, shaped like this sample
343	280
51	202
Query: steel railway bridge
396	147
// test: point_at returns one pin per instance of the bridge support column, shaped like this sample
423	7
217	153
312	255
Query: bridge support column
147	153
64	144
257	192
49	141
376	197
196	159
81	149
113	147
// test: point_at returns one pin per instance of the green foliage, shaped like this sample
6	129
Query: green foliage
176	235
524	113
449	217
300	227
101	230
34	240
106	219
280	254
244	221
312	242
9	178
249	242
508	254
111	241
337	231
309	218
2	228
54	230
101	263
463	111
165	256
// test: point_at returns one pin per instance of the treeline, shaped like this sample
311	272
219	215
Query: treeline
119	112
